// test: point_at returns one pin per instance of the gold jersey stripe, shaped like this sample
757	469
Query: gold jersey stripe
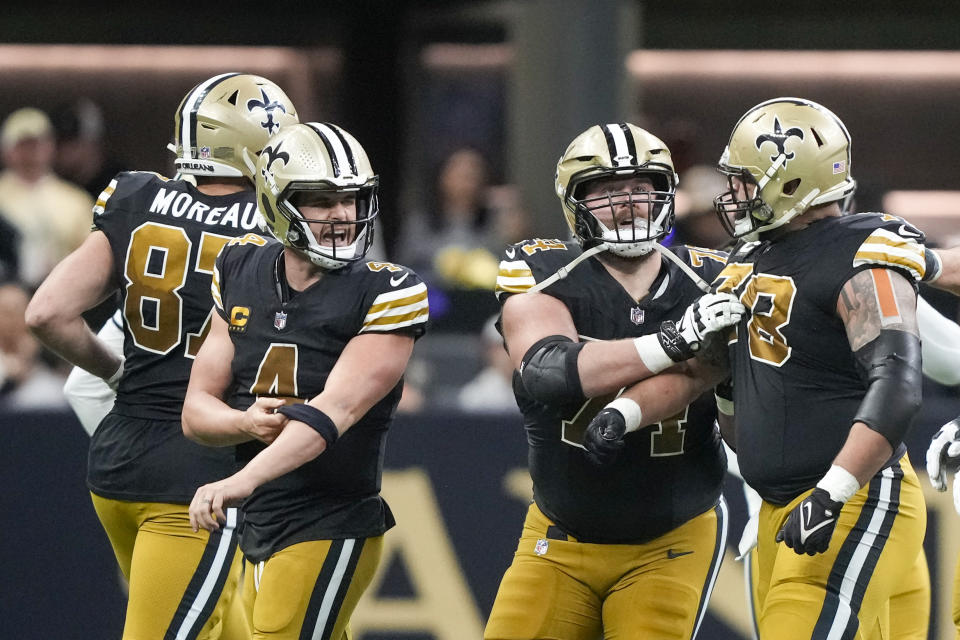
917	269
407	319
377	308
886	248
215	288
104	196
515	273
515	287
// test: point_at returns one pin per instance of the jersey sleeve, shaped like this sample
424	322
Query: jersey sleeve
513	276
114	202
525	264
893	244
399	301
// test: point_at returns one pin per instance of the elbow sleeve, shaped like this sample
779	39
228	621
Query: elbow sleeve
549	371
891	367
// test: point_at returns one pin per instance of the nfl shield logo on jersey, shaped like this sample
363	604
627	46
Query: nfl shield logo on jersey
636	315
204	152
280	320
541	547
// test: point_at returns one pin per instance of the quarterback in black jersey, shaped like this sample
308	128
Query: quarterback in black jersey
324	336
156	240
826	375
626	532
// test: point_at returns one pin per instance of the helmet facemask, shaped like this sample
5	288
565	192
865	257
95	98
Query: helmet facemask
740	207
330	243
627	219
627	222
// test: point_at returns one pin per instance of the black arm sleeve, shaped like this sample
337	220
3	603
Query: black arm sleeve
891	367
549	371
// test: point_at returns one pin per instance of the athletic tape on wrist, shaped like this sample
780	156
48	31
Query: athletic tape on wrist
652	354
630	410
839	483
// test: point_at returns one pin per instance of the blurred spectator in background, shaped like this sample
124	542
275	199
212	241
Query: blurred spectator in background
52	216
697	222
81	150
25	382
491	391
454	238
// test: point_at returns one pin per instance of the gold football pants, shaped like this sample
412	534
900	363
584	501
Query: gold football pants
909	605
560	589
846	592
310	589
181	581
956	596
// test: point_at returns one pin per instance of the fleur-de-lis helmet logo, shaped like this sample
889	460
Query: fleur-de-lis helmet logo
268	106
779	138
272	154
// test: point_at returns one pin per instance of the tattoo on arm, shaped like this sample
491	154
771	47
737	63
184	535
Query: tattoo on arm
865	311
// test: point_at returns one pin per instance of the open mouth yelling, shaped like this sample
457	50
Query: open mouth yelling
334	236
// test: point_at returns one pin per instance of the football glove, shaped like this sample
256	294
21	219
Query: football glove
603	438
943	456
707	314
810	525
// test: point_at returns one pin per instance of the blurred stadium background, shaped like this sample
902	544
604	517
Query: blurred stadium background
515	80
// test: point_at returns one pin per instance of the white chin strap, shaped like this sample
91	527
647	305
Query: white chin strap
616	245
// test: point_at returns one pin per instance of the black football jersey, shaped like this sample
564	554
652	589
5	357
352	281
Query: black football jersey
796	382
667	473
164	235
286	347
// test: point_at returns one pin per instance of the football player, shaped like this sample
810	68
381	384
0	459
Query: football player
910	604
826	374
155	240
305	322
623	541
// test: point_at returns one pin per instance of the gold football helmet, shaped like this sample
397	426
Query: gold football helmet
784	156
614	154
317	162
224	122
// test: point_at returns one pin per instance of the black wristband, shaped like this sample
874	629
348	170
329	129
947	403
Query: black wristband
314	418
673	344
933	266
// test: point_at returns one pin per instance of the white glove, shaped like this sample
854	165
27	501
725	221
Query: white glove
943	456
709	313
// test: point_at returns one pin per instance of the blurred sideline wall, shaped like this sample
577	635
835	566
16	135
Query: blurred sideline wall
459	501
